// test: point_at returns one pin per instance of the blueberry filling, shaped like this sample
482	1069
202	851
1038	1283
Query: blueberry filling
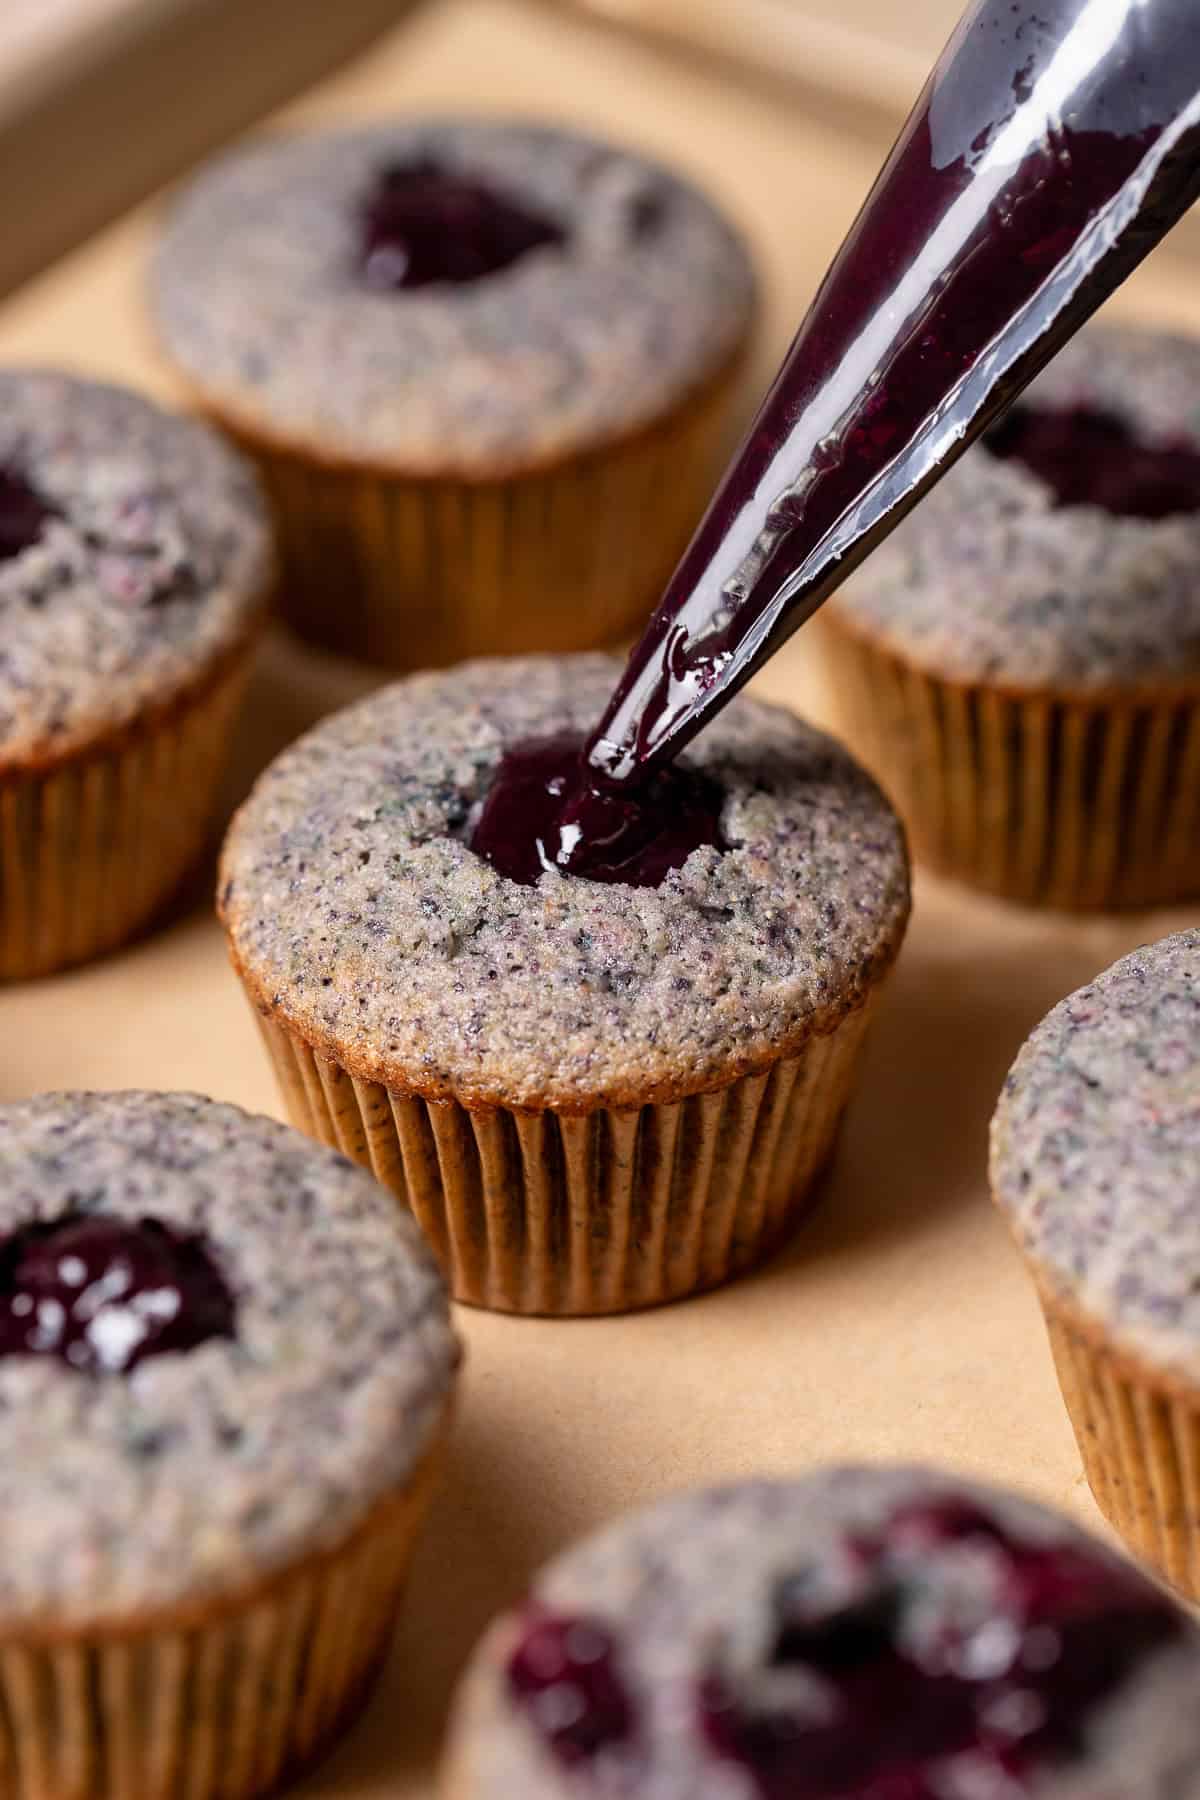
422	224
956	1642
564	1675
102	1293
24	515
541	814
1089	457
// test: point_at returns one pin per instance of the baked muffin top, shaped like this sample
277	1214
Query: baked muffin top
134	553
1096	1151
1018	569
310	1387
852	1632
358	913
269	289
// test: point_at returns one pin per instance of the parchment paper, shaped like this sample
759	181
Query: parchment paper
899	1324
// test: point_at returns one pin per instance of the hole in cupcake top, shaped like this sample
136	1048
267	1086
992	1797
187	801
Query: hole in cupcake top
24	515
423	224
563	1674
1089	457
950	1639
541	814
103	1293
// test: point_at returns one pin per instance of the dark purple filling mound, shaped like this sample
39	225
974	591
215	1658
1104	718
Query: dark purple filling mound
24	515
912	1679
959	1641
564	1673
1092	458
423	224
103	1293
540	814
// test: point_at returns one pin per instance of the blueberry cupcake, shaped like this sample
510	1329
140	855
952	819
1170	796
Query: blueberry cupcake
224	1380
1021	659
592	1096
853	1633
1095	1162
485	367
135	560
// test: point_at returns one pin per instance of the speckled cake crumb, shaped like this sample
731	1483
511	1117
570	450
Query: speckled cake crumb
1096	1151
989	580
196	1473
358	914
760	1591
259	300
152	561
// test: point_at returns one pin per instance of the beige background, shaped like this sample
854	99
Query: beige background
900	1323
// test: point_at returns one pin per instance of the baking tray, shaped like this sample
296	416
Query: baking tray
899	1323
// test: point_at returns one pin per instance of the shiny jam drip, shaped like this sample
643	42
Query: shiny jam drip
913	1676
24	515
540	814
103	1293
1088	457
564	1674
422	224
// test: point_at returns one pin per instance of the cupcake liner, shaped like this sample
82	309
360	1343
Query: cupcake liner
230	1705
1140	1442
417	572
553	1213
93	846
1056	800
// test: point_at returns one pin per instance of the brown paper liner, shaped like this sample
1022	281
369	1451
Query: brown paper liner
1139	1439
227	1706
93	846
415	573
1056	800
552	1213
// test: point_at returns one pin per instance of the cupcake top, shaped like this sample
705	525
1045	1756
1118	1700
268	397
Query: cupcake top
447	296
851	1635
1096	1151
358	912
219	1346
1063	550
134	553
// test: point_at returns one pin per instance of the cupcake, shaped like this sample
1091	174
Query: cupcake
1022	657
486	370
1095	1161
135	561
862	1633
224	1379
592	1096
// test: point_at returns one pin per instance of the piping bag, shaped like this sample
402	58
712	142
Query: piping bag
1054	144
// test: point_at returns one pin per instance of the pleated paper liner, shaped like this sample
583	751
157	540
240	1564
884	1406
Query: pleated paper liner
1064	801
415	573
551	1213
1139	1438
93	846
215	1708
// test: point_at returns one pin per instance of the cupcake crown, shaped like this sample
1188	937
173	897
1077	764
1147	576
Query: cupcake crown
623	291
358	913
1063	554
134	553
222	1348
854	1632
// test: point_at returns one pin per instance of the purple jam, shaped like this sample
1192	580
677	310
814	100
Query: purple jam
1048	153
103	1293
1091	458
541	814
24	515
423	224
564	1674
913	1677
